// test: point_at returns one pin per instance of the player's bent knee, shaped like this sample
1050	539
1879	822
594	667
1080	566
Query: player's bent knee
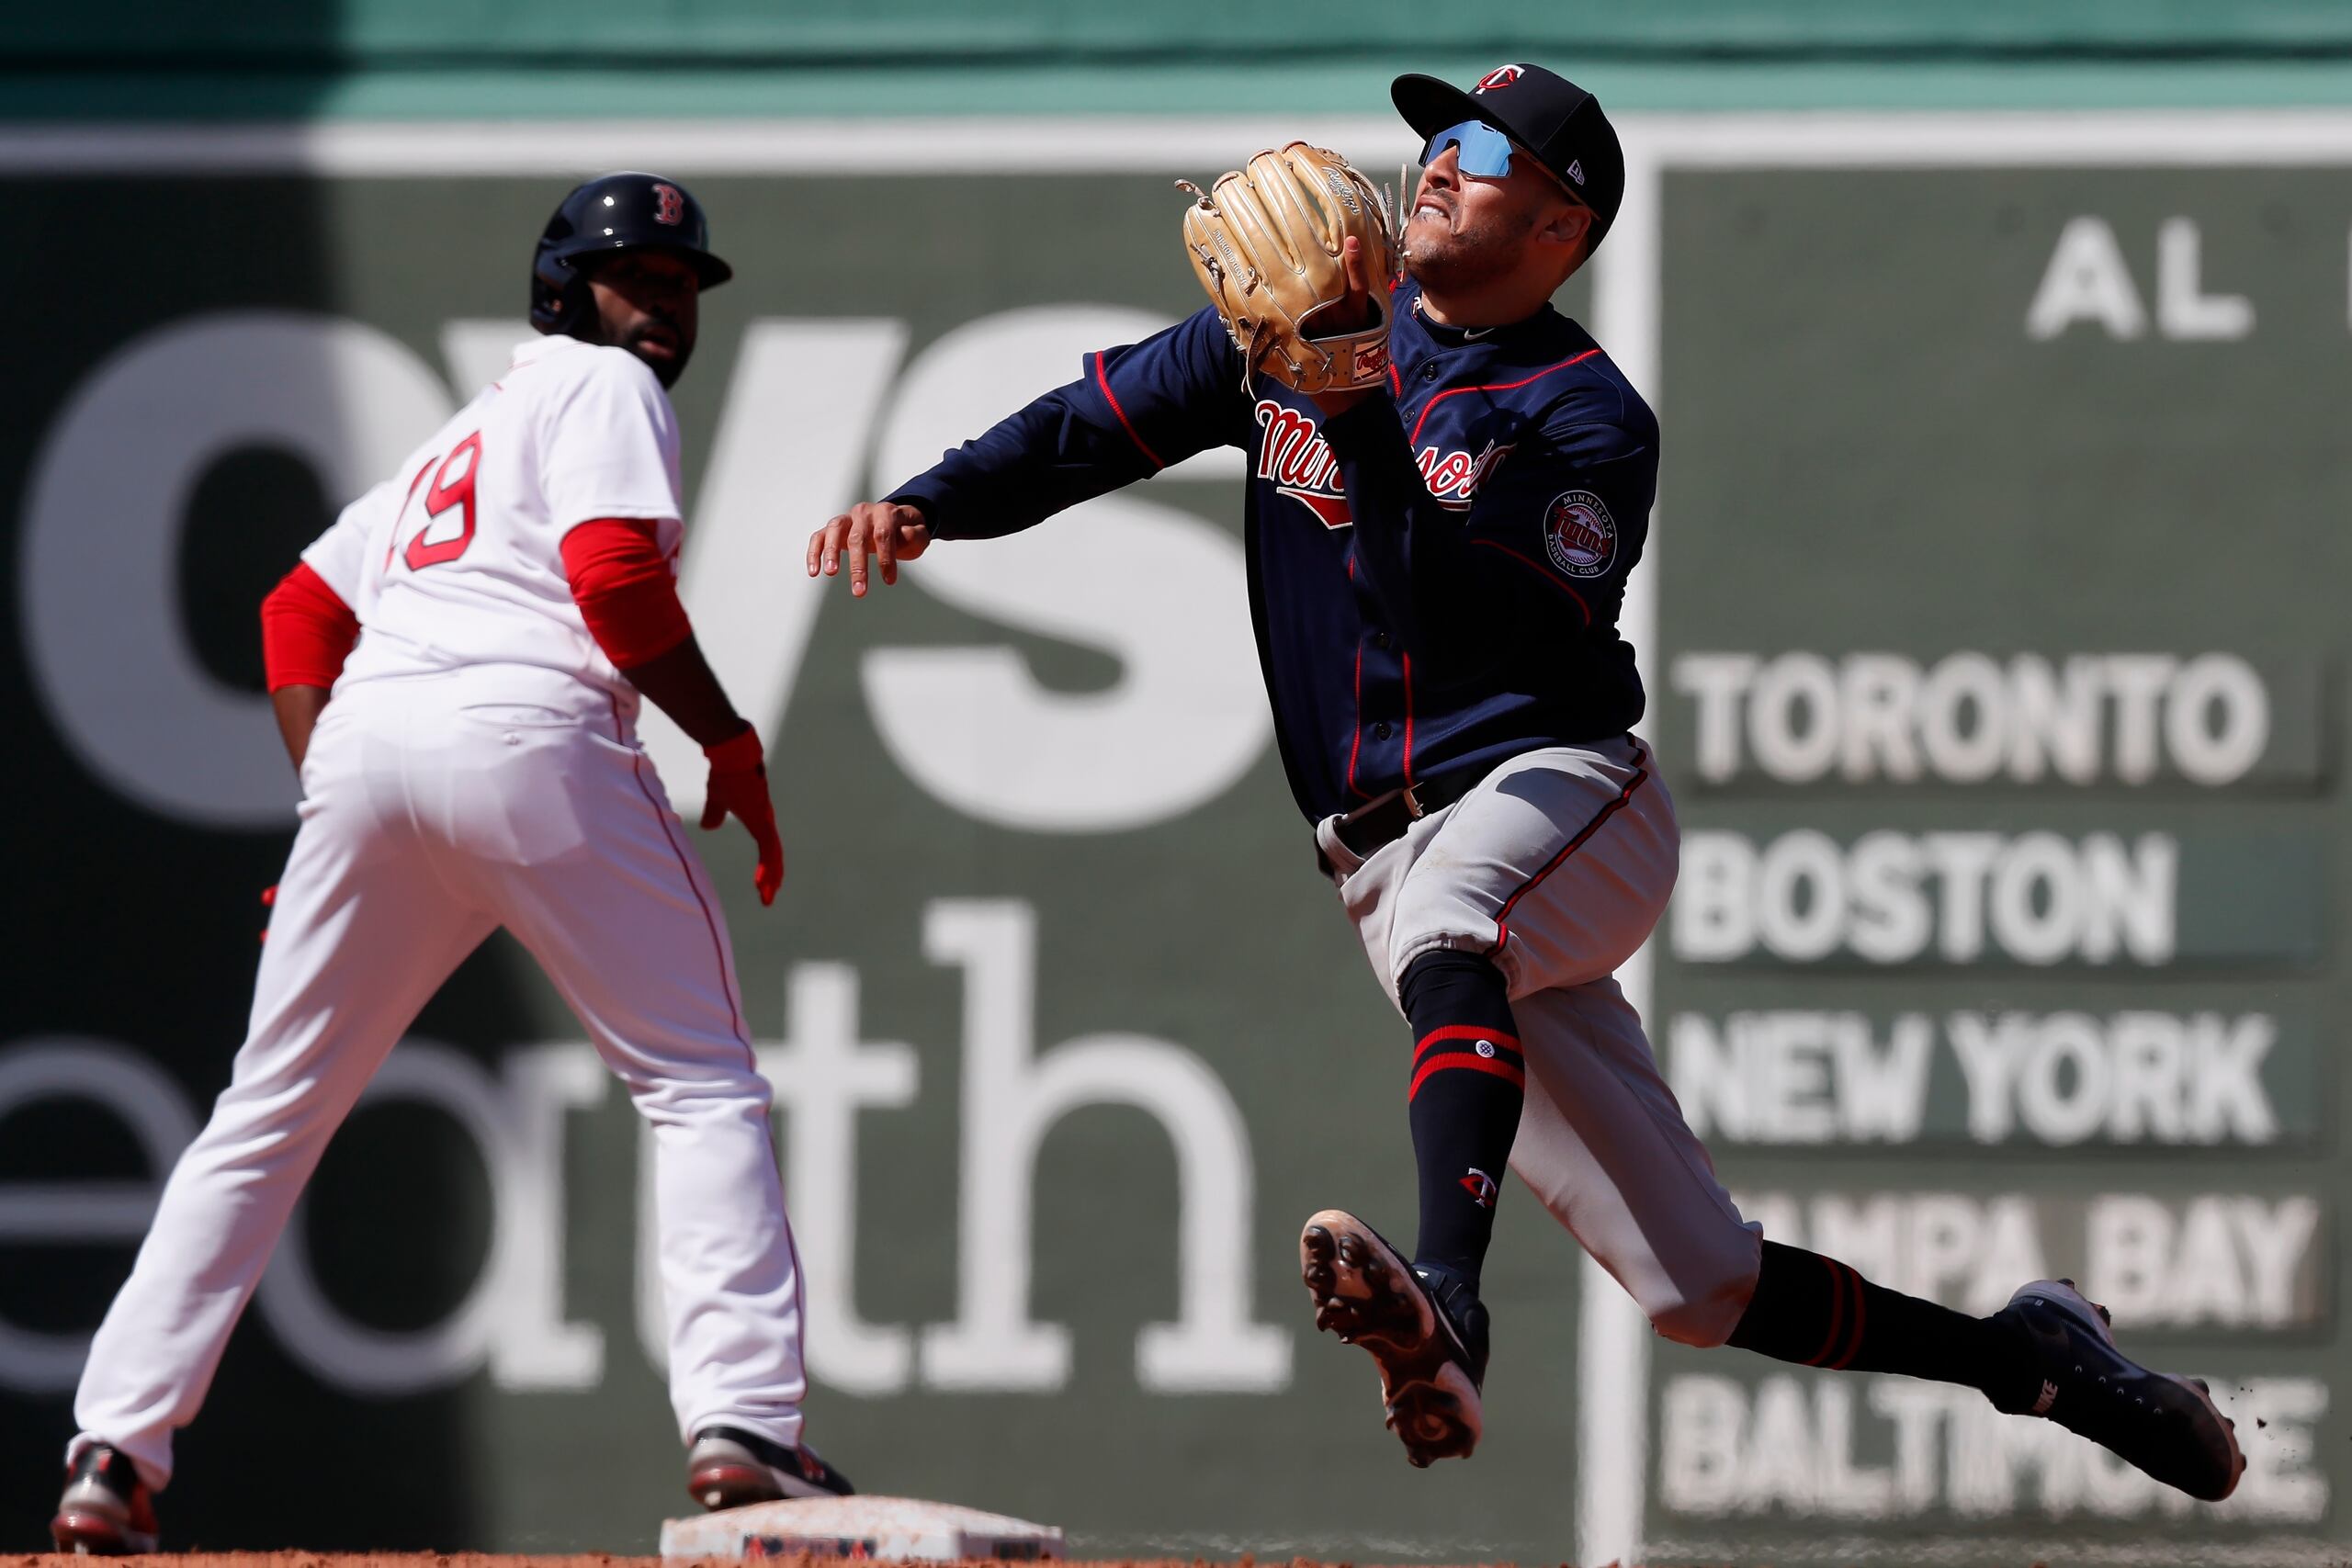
1698	1324
1438	977
1704	1312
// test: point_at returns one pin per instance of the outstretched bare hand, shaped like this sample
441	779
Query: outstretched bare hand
882	529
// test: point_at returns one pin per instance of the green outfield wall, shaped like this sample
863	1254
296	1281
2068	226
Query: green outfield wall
373	59
1992	623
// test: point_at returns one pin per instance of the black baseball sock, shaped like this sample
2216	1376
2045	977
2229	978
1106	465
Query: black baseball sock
1468	1081
1816	1312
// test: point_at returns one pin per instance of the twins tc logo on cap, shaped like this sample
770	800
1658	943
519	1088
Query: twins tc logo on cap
1500	76
1579	535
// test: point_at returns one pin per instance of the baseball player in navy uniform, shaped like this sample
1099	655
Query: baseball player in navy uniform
1436	570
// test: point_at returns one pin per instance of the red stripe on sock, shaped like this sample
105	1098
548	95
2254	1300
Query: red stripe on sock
1861	1317
1464	1032
1466	1062
1837	1314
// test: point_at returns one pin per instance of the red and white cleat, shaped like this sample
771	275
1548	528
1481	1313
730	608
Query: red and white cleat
106	1510
728	1468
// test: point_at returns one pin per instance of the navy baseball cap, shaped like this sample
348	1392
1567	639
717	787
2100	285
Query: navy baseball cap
1541	111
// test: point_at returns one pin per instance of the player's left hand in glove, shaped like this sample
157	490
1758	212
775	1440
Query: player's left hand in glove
1273	241
738	786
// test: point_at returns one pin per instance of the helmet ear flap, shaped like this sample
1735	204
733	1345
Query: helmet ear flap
574	304
559	297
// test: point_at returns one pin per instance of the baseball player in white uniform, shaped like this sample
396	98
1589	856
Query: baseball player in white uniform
512	595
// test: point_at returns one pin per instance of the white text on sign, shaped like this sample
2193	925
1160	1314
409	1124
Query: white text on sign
1890	897
1807	1076
1969	719
2210	1261
1893	1448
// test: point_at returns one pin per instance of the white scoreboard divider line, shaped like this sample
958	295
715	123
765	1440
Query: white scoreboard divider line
1612	1335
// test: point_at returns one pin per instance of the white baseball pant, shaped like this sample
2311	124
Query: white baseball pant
434	810
1558	864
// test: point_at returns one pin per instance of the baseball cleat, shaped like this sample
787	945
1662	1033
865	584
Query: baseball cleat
1424	1327
106	1510
728	1467
2166	1425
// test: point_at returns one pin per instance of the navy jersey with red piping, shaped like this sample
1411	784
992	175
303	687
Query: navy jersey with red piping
1435	575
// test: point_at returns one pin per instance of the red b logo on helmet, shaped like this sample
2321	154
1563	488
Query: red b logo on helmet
670	205
1500	76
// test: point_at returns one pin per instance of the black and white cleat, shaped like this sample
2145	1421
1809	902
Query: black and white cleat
2167	1426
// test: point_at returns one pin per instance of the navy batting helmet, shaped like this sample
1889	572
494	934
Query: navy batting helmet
626	211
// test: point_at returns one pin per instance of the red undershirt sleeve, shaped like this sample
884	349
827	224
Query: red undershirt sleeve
307	631
625	589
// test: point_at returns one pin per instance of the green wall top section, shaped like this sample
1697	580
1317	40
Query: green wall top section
867	30
277	58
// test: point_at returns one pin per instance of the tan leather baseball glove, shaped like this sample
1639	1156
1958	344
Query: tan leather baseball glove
1265	240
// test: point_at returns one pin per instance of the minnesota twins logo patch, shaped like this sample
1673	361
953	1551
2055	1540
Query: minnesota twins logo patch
1579	535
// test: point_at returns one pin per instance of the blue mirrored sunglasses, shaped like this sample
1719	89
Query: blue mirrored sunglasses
1486	153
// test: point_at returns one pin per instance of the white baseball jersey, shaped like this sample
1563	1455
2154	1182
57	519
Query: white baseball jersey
457	560
474	770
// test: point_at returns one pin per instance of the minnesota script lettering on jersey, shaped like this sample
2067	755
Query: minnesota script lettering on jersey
1293	455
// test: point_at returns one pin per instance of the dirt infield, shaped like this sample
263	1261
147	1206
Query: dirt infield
492	1560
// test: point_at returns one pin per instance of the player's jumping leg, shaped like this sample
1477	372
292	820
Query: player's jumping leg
2049	1353
1468	1081
1604	1146
362	934
1424	1325
652	977
1560	877
1436	935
